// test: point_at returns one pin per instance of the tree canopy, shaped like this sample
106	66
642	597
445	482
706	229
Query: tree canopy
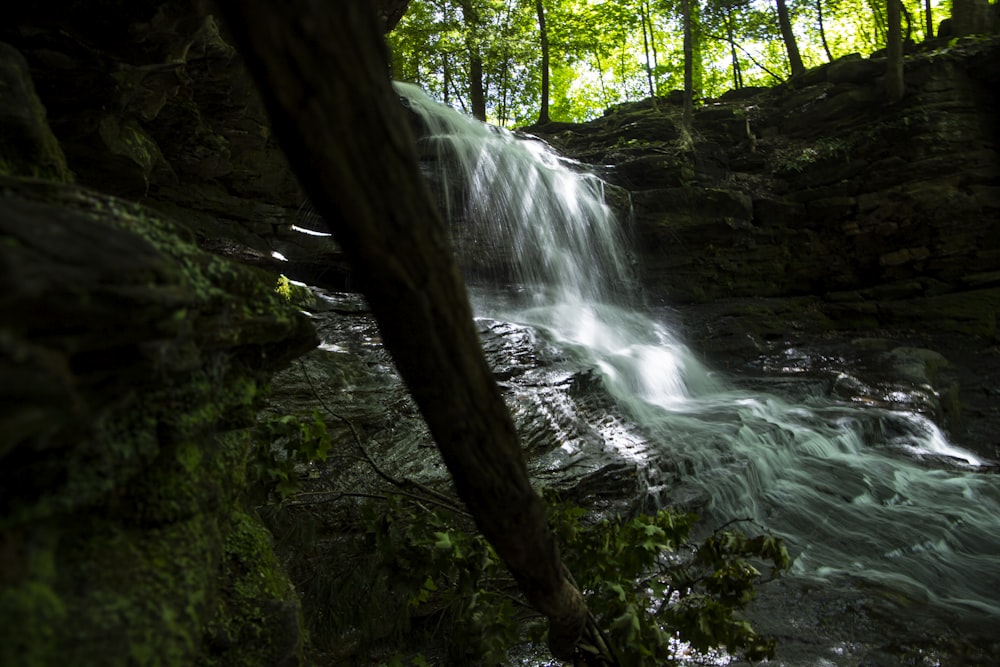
485	57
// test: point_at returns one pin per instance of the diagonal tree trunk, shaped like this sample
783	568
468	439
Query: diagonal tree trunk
321	70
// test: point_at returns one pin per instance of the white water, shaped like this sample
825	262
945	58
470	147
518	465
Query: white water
859	494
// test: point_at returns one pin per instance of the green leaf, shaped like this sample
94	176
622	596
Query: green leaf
443	541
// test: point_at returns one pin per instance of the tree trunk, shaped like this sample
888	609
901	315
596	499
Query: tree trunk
822	30
543	38
791	46
688	65
737	74
928	21
643	15
321	70
894	53
477	91
697	68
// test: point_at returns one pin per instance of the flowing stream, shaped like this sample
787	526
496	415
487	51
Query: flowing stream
868	499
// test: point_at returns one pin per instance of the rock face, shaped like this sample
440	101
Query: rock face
131	364
151	102
885	216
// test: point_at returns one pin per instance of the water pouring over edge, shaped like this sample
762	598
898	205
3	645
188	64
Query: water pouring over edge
849	488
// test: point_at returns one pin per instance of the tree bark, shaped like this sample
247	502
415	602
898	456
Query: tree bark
543	38
894	87
477	91
791	46
647	38
822	30
688	113
731	38
321	70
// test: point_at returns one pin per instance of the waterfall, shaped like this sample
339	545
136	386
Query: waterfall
860	494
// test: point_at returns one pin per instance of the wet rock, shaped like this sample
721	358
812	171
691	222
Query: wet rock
132	364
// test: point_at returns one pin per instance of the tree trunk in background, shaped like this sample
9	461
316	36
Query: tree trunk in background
731	38
543	37
321	70
791	46
688	64
928	21
894	87
477	91
643	15
697	68
822	30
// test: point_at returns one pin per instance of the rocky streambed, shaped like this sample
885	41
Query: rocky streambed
582	442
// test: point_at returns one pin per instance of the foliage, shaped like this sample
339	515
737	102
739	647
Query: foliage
799	159
599	57
283	443
645	583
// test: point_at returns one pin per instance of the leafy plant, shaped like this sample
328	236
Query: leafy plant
644	582
282	444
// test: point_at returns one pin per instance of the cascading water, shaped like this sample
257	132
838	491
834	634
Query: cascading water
860	495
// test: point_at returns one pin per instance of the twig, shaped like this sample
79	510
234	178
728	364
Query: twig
431	495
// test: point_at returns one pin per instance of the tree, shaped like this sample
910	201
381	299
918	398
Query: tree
649	47
688	64
822	29
785	25
477	93
894	53
543	41
357	162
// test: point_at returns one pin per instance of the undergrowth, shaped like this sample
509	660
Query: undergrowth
396	575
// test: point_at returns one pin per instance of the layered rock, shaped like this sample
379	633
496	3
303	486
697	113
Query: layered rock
132	365
151	102
883	215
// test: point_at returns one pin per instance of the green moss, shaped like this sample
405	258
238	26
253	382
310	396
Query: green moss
146	559
129	140
145	595
257	605
30	609
29	613
295	293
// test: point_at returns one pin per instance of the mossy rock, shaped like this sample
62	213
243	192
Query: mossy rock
258	617
27	145
125	409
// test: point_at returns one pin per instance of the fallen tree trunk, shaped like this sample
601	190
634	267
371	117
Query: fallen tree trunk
322	71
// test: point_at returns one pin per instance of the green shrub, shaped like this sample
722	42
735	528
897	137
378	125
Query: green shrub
648	587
